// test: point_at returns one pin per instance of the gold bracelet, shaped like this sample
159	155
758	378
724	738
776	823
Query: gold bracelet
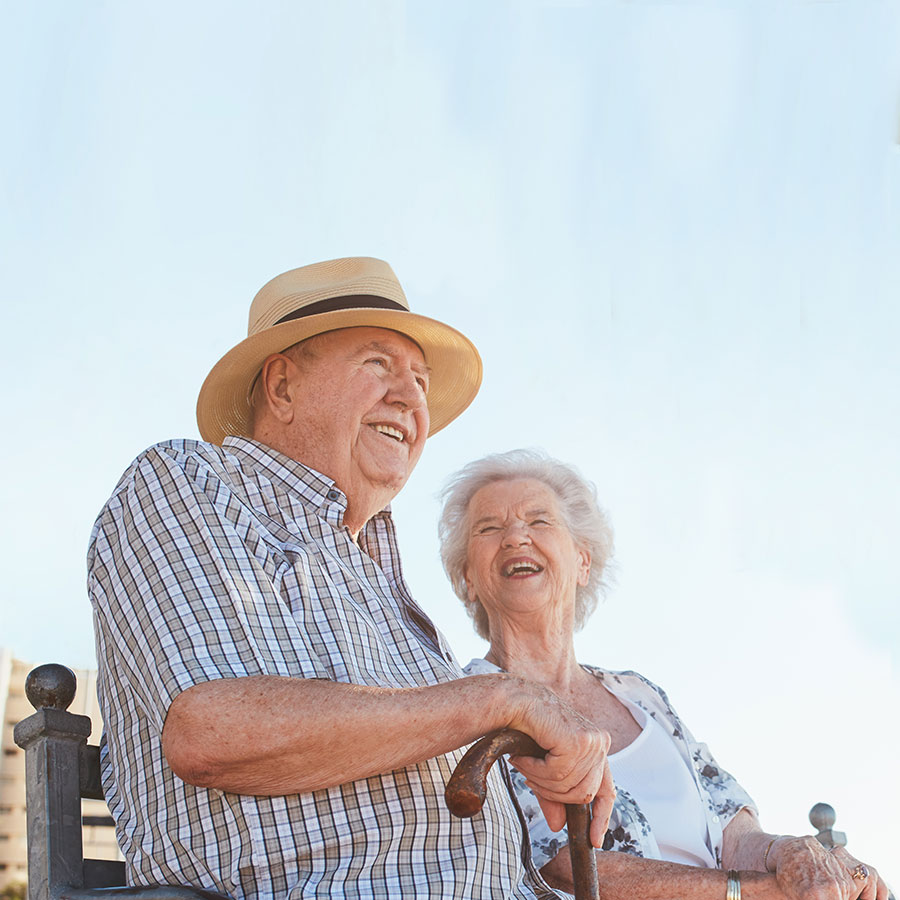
766	854
733	890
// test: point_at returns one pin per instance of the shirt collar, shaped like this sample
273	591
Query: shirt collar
314	488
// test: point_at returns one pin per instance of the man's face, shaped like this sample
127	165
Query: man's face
360	415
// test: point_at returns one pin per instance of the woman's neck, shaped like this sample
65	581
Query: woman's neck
542	654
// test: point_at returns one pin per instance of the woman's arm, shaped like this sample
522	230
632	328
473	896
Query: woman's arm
800	869
804	869
744	843
626	877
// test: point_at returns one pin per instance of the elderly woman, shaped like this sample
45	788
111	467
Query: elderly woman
525	546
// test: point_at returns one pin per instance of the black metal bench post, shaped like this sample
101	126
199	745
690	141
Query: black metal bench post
60	769
52	739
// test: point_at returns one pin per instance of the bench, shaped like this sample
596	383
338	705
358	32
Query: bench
61	768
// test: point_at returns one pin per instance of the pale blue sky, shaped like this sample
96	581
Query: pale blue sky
671	228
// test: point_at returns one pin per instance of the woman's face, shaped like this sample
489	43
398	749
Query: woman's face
521	557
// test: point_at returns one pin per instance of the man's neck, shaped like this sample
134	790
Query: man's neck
358	513
364	499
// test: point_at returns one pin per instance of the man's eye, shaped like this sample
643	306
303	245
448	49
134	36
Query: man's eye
540	522
378	361
487	529
422	384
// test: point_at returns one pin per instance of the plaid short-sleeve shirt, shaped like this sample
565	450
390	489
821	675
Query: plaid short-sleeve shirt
220	562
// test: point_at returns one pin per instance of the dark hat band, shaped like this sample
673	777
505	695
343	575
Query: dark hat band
355	301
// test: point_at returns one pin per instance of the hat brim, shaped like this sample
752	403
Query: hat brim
223	406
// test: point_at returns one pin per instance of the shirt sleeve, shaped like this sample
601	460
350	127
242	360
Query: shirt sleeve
726	798
722	795
184	588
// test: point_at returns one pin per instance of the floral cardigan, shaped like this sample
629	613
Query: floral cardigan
629	831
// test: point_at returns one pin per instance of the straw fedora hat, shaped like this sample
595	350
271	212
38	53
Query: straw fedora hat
340	293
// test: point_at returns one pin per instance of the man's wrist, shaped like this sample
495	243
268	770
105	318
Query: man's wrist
515	699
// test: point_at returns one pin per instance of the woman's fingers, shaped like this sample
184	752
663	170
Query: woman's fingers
874	887
864	876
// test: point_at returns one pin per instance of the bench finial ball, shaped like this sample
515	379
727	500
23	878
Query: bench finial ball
822	816
50	685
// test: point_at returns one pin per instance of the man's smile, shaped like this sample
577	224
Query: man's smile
392	431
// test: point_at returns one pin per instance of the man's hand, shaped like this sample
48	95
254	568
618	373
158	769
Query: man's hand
575	769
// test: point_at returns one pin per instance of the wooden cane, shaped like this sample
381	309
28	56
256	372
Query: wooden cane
467	789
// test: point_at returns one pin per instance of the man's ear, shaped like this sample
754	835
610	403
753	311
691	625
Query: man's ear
277	383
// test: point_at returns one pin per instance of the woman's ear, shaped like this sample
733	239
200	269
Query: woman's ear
584	567
470	587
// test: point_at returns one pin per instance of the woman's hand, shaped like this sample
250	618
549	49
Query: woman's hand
805	870
875	887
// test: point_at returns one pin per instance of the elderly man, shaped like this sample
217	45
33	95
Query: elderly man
281	717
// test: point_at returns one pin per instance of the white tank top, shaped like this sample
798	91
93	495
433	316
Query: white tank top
651	769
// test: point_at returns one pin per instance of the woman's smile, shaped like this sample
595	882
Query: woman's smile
521	567
520	548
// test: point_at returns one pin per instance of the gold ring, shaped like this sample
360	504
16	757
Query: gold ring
860	872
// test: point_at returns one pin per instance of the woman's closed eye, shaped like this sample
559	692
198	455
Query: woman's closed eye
487	529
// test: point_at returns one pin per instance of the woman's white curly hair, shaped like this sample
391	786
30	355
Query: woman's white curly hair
581	512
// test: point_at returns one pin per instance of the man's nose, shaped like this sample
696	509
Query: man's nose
406	390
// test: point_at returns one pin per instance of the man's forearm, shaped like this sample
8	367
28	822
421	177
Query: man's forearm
271	735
